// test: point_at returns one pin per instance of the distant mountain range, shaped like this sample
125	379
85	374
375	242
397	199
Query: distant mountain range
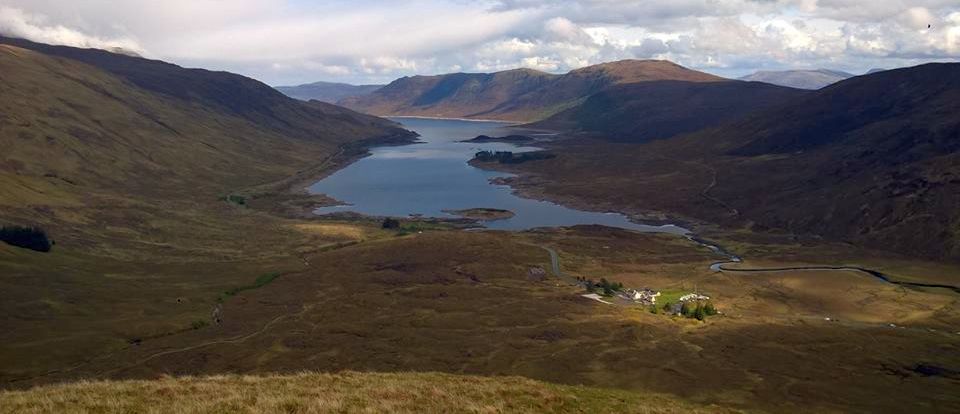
329	92
800	79
514	95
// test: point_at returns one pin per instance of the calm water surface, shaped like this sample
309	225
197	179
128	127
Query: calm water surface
432	176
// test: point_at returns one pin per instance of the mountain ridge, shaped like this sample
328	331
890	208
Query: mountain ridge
512	95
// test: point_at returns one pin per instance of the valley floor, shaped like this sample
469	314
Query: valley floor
307	294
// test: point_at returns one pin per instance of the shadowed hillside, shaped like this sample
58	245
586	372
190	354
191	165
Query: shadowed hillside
513	95
872	160
640	112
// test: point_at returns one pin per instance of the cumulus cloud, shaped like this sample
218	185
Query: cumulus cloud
291	41
36	27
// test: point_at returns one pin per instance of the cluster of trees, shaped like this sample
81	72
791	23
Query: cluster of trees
507	157
26	237
697	310
604	286
391	223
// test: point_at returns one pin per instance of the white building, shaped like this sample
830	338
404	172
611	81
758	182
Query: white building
693	296
646	296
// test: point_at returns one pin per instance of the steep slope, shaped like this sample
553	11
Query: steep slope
876	160
130	181
873	160
329	92
514	95
85	128
800	79
647	111
228	93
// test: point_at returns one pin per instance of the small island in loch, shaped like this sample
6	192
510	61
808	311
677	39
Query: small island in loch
485	214
508	157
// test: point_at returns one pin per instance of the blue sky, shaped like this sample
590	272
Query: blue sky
298	41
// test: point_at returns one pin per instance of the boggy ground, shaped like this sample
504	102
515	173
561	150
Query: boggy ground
461	302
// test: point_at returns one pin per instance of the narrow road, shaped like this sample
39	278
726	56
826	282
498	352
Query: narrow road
554	261
555	265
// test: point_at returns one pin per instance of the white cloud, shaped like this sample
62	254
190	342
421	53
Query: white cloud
36	27
291	41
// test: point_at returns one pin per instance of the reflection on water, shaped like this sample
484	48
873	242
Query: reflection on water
432	176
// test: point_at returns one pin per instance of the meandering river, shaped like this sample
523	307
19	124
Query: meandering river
432	176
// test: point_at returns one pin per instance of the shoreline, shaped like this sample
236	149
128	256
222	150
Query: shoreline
440	118
298	188
292	194
524	184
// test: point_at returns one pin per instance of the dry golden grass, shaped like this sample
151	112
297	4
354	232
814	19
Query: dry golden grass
347	231
341	392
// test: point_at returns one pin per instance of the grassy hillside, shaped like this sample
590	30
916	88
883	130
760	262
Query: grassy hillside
513	95
220	92
349	391
125	163
639	112
462	302
871	161
129	175
79	138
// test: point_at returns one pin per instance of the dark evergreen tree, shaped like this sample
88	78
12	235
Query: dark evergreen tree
709	310
26	237
391	223
699	312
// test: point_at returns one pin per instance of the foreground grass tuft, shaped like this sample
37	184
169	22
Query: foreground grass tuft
342	392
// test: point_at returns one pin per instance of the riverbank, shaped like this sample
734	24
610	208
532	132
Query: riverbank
440	118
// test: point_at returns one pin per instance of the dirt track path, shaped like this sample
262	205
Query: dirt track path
233	340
